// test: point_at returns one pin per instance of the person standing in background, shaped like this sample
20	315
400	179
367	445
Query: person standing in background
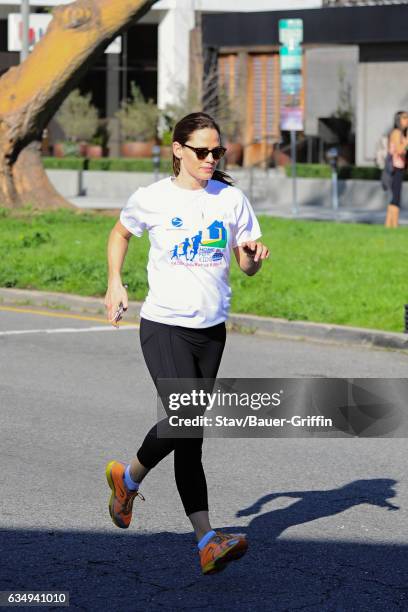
397	148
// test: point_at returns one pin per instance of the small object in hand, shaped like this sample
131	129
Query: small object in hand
119	313
120	310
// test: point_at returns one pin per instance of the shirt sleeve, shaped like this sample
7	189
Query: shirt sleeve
247	226
131	216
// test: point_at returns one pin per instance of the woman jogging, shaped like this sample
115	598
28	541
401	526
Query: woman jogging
194	220
397	147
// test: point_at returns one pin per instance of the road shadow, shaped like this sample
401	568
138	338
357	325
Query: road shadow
313	505
124	570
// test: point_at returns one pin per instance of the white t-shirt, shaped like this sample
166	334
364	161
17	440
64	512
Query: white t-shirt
191	234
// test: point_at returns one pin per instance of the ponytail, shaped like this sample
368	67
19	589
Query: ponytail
223	177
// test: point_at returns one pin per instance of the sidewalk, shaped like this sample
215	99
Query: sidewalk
343	215
241	323
270	193
324	213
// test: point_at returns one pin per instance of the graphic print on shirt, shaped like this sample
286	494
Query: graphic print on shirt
205	248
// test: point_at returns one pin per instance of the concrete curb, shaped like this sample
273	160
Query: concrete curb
242	323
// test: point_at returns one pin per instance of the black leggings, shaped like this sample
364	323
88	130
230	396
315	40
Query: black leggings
396	186
172	351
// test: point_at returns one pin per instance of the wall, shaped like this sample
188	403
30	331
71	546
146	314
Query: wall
174	51
177	18
322	67
268	192
381	92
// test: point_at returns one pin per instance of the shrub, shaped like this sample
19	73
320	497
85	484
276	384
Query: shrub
78	117
167	138
120	164
63	163
137	117
367	173
109	164
310	170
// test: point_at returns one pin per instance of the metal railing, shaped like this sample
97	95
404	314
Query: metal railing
264	163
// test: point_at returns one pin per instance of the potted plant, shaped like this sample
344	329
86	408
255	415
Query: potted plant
94	150
98	146
138	122
79	120
66	148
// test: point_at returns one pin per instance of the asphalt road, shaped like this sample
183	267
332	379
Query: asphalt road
326	519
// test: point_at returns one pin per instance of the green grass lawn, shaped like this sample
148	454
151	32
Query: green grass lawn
326	272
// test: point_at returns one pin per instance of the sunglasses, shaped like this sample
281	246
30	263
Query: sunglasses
202	152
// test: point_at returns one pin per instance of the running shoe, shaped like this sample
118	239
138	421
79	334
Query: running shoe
220	550
121	500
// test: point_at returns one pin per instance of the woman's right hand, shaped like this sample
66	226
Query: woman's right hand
115	295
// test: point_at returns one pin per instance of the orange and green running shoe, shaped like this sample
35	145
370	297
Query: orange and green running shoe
121	500
220	550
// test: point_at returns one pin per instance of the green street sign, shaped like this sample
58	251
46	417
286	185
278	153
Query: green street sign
290	32
291	62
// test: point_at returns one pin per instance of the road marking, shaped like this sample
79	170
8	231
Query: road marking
60	315
68	330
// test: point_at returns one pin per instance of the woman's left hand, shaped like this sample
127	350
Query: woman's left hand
255	250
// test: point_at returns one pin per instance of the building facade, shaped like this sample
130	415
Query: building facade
355	61
155	51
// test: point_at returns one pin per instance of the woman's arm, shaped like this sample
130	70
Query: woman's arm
117	248
398	143
249	256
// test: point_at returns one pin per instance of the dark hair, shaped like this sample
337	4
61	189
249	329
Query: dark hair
182	132
397	122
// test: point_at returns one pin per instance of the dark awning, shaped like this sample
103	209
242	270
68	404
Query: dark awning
342	25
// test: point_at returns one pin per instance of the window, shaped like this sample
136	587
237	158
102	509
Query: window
263	97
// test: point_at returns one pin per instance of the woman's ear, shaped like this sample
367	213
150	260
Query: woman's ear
177	150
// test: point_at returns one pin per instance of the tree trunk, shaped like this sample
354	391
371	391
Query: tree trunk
31	93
